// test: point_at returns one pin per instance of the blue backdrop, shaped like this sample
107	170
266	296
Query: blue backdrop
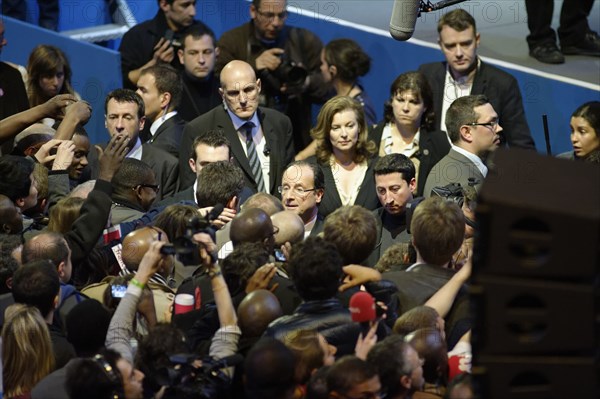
96	68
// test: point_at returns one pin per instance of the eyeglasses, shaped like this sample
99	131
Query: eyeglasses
271	15
296	191
154	187
493	124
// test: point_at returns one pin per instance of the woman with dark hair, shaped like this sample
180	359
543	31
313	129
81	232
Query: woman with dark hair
346	155
343	62
49	74
408	126
585	133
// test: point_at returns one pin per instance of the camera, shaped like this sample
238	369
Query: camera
290	73
206	381
185	247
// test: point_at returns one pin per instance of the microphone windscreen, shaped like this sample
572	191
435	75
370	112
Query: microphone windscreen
362	307
404	19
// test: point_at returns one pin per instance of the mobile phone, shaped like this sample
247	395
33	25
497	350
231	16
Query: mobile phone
169	34
118	291
280	256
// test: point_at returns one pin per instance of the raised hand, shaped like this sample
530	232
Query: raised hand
112	156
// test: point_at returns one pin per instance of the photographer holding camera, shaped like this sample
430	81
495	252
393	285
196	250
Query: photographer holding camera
286	59
224	342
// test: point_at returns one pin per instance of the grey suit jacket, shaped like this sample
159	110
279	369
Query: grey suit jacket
453	168
277	130
500	87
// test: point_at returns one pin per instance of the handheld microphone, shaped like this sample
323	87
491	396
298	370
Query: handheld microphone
362	310
215	212
404	18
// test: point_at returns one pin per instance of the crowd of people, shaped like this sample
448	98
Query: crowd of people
217	245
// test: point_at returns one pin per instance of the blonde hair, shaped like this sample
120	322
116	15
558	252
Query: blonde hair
365	148
26	349
64	213
307	351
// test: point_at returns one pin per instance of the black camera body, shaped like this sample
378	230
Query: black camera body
206	381
290	73
185	247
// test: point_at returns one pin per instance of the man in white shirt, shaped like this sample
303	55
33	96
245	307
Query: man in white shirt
474	129
302	188
160	88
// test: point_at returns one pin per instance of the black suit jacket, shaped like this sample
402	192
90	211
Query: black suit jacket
165	167
433	146
163	164
501	89
168	135
367	196
277	130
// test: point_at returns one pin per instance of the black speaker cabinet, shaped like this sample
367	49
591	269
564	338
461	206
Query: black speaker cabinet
539	217
524	316
528	377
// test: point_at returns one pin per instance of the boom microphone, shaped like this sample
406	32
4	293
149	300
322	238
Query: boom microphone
406	12
404	18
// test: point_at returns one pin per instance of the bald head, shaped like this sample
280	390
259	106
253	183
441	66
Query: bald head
252	225
11	220
49	246
256	311
290	225
265	201
137	243
240	88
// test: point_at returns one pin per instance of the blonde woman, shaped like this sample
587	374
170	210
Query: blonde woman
346	155
27	354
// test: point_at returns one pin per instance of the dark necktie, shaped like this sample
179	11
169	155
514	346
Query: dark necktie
253	157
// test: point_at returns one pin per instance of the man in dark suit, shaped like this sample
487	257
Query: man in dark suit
261	139
125	111
464	73
160	88
302	189
395	184
474	129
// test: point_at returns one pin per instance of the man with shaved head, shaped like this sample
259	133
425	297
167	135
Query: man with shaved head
256	311
253	225
135	246
291	228
261	138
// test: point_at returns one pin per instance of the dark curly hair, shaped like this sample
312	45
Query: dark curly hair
417	84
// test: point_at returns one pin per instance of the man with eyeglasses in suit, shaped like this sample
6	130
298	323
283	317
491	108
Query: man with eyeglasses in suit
302	188
474	131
